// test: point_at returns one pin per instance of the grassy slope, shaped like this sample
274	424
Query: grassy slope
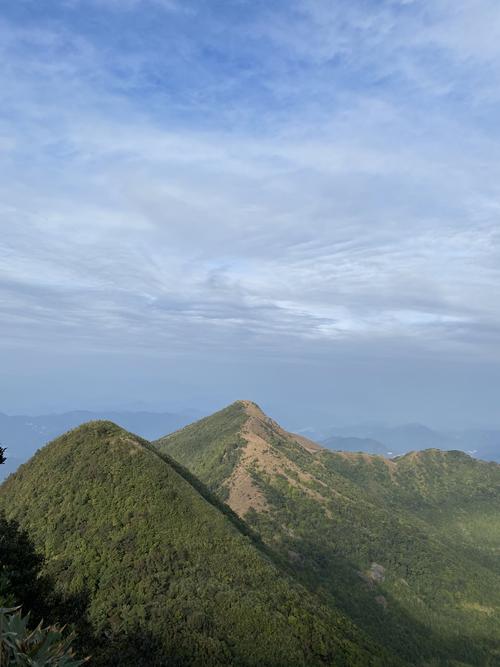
211	446
417	518
455	500
161	561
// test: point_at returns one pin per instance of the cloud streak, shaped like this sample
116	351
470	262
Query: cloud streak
275	176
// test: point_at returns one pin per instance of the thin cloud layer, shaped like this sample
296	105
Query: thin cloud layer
279	177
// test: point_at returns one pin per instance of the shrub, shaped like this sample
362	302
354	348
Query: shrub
40	647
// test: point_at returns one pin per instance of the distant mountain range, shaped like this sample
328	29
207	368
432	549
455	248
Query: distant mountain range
22	435
393	441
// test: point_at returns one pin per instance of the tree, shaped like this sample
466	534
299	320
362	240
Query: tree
21	582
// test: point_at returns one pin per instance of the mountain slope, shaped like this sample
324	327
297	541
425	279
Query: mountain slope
456	496
224	449
363	529
164	565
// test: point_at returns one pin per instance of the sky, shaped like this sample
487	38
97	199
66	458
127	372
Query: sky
290	201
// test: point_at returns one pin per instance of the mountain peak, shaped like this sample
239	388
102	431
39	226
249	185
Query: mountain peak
259	418
229	447
105	433
250	407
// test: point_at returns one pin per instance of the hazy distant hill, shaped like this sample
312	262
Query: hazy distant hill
482	443
23	435
353	444
408	547
396	440
169	571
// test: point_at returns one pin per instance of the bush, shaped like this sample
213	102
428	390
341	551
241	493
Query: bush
40	647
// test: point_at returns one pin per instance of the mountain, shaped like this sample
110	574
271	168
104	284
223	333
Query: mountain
172	576
23	435
408	548
396	439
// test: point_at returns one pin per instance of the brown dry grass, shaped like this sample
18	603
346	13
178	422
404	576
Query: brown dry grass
260	454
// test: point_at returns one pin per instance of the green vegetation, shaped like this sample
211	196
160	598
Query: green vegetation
38	647
212	447
171	576
21	578
152	568
410	549
23	583
20	566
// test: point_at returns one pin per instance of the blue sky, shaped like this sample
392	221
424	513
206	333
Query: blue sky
294	202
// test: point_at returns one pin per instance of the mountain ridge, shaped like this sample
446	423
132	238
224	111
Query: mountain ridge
396	440
340	516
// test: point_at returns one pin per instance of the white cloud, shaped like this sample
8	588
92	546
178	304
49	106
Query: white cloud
359	217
